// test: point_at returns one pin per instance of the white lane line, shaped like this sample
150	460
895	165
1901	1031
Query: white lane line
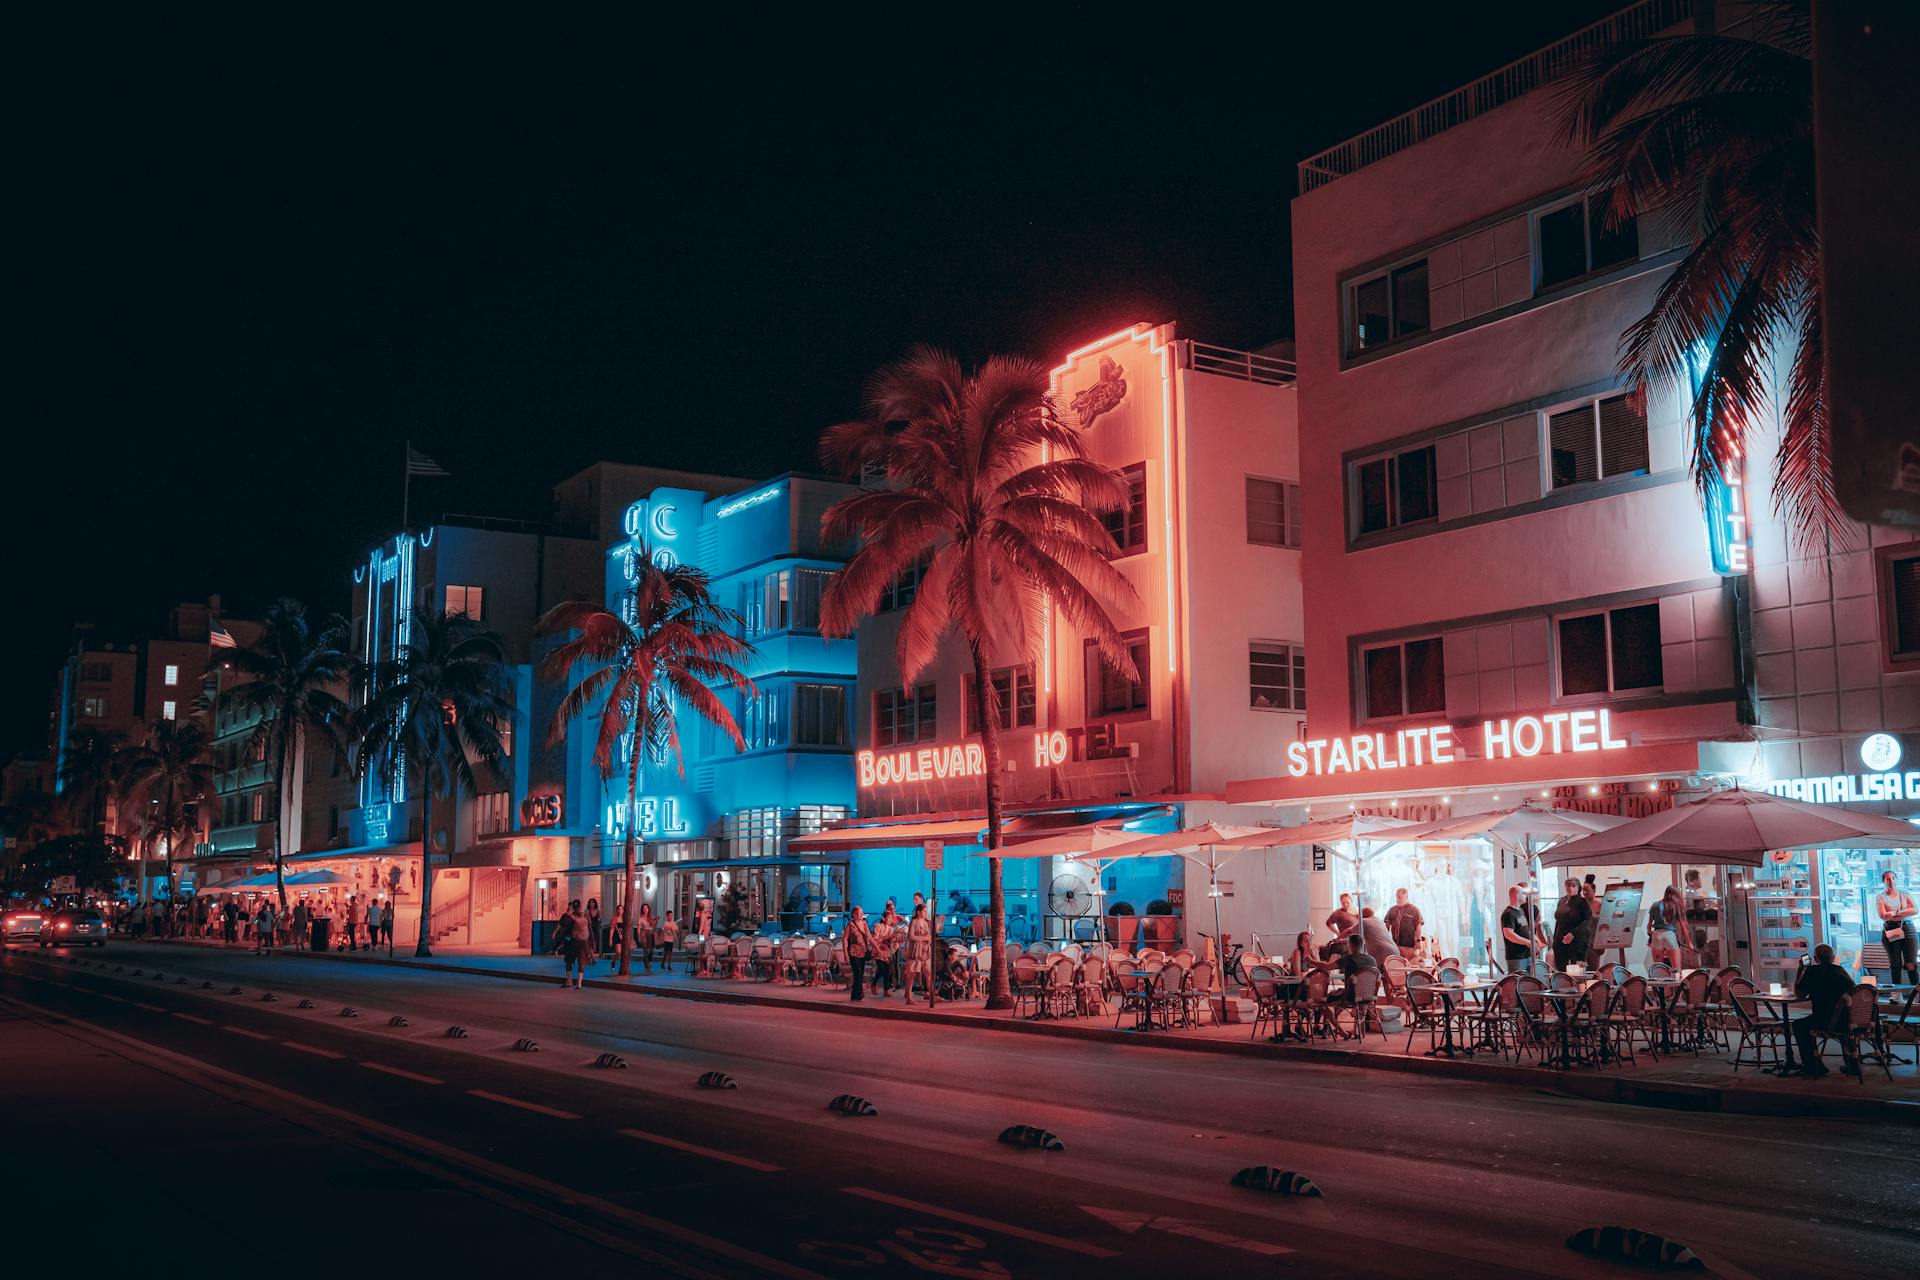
555	1112
150	1008
404	1075
242	1031
194	1017
307	1048
116	999
985	1224
758	1165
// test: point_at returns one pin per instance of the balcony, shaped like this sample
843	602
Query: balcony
247	775
242	838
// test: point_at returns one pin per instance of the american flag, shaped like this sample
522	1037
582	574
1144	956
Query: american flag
217	637
419	464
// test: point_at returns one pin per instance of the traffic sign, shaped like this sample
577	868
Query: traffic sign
936	855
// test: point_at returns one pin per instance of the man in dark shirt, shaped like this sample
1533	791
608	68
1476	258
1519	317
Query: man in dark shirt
1519	929
1403	922
1342	921
1827	985
1353	959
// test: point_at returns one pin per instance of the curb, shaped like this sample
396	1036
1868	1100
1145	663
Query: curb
1619	1090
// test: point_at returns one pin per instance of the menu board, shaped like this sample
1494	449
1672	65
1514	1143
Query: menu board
1619	913
1785	899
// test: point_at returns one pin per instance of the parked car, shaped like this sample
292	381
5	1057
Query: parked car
81	928
23	924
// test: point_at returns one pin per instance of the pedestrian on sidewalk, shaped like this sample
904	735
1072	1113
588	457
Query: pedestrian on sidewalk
574	943
669	937
1403	922
355	914
594	927
1572	912
263	928
886	950
386	926
374	918
302	924
645	935
919	953
1897	929
1590	955
230	921
859	946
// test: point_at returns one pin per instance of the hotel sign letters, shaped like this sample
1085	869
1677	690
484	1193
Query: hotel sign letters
1517	736
1049	747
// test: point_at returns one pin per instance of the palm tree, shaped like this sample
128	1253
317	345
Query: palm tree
670	642
164	782
1716	132
34	818
431	714
1003	534
290	677
89	774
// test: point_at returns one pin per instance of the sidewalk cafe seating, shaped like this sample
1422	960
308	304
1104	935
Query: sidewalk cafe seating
1198	991
1531	1025
1758	1031
1090	986
1166	1003
1396	970
1025	980
1659	969
1485	1026
1268	1008
1424	1009
1690	1012
1134	986
1317	1008
1632	1016
1057	994
1857	1027
1363	991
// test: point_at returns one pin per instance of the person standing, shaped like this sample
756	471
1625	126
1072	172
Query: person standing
886	950
1343	920
1896	909
594	925
1826	986
386	925
645	935
1403	922
1664	920
1588	953
1572	912
352	919
669	936
1519	930
859	947
919	953
1376	939
302	922
375	917
263	925
230	921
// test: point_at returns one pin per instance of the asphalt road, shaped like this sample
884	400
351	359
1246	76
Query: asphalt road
363	1131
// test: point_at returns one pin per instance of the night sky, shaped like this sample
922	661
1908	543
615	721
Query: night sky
252	259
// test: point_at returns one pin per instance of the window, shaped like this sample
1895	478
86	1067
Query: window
1276	676
1128	522
1406	679
257	806
1395	490
1610	651
903	715
1387	307
468	602
809	818
172	675
759	719
96	672
1108	692
901	591
1573	241
1273	512
819	715
94	708
753	833
169	710
1604	437
1013	693
786	600
1900	601
490	813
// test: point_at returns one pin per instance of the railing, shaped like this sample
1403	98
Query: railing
247	775
1636	22
505	887
1248	366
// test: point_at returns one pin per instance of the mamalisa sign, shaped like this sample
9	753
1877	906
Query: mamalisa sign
1549	734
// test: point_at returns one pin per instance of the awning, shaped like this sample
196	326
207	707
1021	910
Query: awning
960	831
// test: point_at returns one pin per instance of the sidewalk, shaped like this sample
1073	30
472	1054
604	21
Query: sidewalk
1685	1083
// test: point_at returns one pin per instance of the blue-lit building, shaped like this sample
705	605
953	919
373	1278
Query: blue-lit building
721	814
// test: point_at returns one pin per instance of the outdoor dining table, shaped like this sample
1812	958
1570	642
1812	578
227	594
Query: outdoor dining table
1563	1002
1449	994
1663	990
1293	989
1782	1005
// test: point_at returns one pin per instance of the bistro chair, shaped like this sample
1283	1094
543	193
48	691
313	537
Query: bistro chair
763	962
1616	973
1631	1016
1659	969
1857	1026
837	957
1758	1030
1266	998
1014	949
1183	957
1133	988
1561	982
1689	1010
1483	1025
1024	978
1198	992
1166	1002
1363	992
1057	994
1424	1009
1395	967
1528	1028
1316	1007
1449	974
1090	987
1073	952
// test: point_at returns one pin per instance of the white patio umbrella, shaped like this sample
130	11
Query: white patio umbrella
1351	830
1736	827
1209	845
1084	845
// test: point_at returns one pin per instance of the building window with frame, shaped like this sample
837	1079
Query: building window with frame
1276	676
788	600
467	602
96	672
491	813
1404	679
902	591
93	708
1394	490
169	710
1387	307
1013	690
1610	651
1273	512
904	715
1899	589
1109	693
1573	240
819	715
1597	439
171	676
1128	522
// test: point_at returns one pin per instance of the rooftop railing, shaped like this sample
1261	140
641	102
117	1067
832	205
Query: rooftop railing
1636	22
1248	366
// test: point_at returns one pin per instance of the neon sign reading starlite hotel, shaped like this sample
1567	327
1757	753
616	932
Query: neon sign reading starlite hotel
1523	736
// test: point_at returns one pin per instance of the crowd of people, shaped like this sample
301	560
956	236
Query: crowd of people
355	924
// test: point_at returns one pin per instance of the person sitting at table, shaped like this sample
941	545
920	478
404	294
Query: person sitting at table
1304	959
1827	986
1343	922
1355	960
1568	916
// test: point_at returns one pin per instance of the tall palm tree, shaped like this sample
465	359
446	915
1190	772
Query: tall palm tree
671	641
165	781
432	713
1003	535
34	818
89	774
291	677
1716	132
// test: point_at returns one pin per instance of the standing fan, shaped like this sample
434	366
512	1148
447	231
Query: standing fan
1069	896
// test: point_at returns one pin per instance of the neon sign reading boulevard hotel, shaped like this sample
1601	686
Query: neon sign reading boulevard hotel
1553	733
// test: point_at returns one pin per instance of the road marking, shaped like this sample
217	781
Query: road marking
194	1017
116	999
709	1152
555	1112
242	1031
1130	1223
307	1048
985	1224
404	1075
150	1008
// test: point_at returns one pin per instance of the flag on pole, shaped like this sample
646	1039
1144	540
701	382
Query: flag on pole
419	464
218	637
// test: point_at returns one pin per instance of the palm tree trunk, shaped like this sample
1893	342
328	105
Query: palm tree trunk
625	914
999	989
423	949
279	819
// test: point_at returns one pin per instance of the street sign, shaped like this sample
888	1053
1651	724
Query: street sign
65	884
936	855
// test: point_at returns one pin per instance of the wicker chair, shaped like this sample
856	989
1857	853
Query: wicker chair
1529	1020
1133	989
1267	1007
1631	1016
1395	969
1197	994
1862	1036
1316	1008
1756	1030
1025	980
1363	992
1057	994
1167	1002
1659	969
1090	987
1424	1009
1616	973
